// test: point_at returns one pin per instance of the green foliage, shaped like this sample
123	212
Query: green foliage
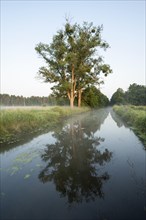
12	100
72	59
118	97
135	117
53	99
94	98
16	123
135	95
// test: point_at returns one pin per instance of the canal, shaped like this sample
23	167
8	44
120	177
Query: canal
91	166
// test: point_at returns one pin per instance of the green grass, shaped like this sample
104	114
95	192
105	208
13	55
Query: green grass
15	123
135	116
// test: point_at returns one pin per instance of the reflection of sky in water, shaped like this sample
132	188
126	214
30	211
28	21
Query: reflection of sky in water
126	147
71	163
93	157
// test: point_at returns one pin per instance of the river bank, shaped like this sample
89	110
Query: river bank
17	123
135	117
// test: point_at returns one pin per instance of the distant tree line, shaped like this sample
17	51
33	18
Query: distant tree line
91	97
135	95
12	100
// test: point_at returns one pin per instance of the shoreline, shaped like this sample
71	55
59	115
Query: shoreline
135	117
17	123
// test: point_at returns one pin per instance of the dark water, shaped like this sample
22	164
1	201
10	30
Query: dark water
90	167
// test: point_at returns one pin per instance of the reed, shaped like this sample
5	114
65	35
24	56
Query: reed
18	122
135	116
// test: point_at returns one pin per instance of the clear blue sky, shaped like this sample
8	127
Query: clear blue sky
26	23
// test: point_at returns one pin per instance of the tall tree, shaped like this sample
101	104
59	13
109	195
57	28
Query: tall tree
118	97
72	59
136	94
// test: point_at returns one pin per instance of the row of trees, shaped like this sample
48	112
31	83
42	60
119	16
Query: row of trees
135	95
12	100
72	61
91	97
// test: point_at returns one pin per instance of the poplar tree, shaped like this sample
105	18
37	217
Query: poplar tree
72	61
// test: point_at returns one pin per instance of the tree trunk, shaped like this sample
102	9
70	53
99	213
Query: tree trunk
71	98
71	92
73	83
71	101
79	97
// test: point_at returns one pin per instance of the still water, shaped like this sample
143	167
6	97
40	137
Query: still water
90	167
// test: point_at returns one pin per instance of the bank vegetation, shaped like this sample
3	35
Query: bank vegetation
135	116
15	124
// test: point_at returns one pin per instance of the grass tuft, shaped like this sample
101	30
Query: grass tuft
135	116
15	123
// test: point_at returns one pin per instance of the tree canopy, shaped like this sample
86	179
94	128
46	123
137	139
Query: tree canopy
72	61
135	95
94	98
118	97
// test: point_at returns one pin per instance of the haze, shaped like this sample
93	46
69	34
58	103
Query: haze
26	23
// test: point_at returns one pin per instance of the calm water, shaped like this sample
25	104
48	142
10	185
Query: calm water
90	167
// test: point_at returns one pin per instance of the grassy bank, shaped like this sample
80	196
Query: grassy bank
135	116
16	123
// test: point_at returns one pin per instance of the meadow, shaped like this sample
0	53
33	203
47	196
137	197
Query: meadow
135	117
18	122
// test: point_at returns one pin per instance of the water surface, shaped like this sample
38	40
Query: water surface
90	167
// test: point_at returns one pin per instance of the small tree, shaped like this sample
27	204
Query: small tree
72	62
94	98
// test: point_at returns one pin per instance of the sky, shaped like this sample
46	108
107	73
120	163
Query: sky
26	23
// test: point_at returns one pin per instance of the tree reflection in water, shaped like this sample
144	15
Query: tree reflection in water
117	119
74	162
